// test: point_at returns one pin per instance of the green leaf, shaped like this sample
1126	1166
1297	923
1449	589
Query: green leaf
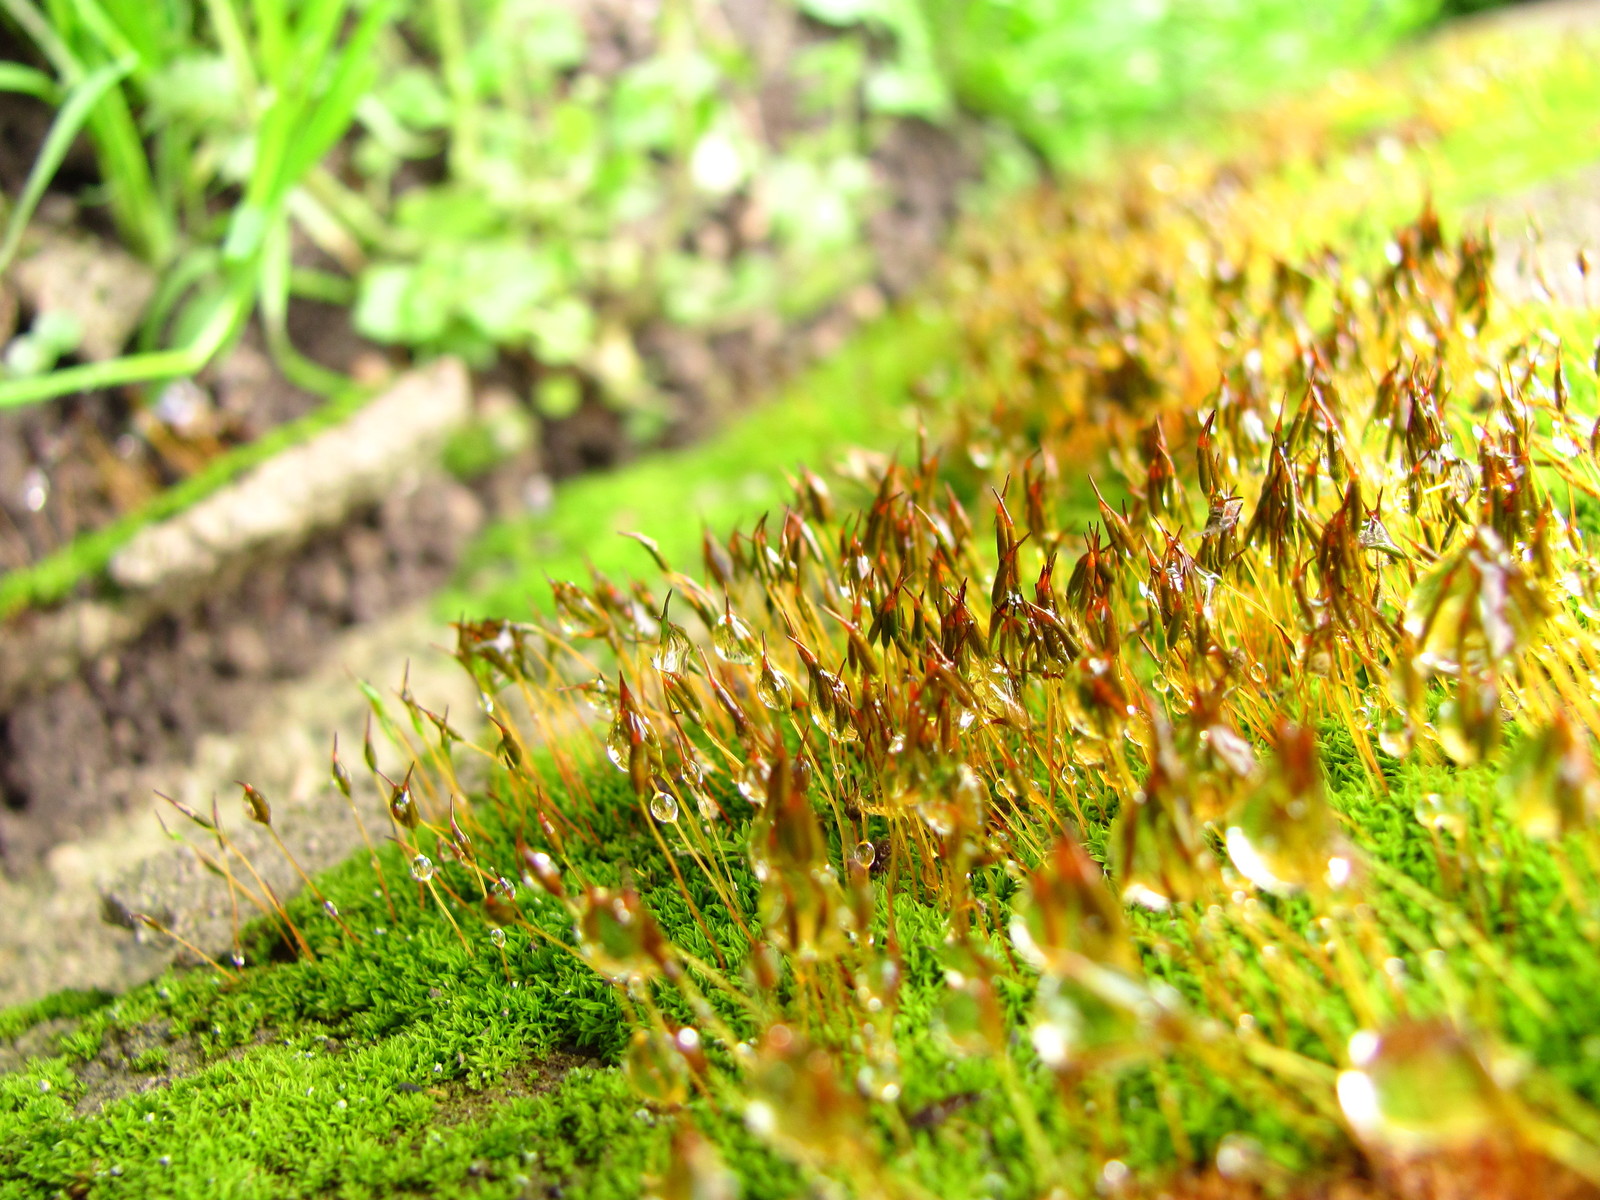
450	212
508	282
201	88
383	303
415	97
907	90
564	330
546	34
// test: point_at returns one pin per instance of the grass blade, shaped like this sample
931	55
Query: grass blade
134	368
25	81
33	23
69	120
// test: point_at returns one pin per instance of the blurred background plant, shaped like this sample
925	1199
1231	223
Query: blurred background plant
541	180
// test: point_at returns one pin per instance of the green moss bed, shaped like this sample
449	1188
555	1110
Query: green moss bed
1171	773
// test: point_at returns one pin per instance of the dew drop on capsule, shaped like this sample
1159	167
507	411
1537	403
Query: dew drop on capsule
753	782
422	868
664	808
673	651
498	937
772	689
733	641
866	854
598	696
619	743
1395	737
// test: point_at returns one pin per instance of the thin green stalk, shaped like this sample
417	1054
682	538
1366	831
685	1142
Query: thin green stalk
226	23
451	33
26	81
132	368
63	131
43	35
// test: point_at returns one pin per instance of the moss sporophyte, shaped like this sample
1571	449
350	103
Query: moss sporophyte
1111	827
976	827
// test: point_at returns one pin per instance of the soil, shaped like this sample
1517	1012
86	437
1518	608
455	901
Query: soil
54	935
78	464
67	751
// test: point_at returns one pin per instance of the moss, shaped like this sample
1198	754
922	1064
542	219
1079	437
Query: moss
63	1005
421	1060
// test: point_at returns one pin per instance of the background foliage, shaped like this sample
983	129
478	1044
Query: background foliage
486	179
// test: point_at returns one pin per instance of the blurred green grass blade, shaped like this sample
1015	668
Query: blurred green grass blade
333	110
315	32
70	119
26	81
176	282
97	22
303	124
34	23
141	217
136	368
272	38
146	26
273	298
90	37
235	45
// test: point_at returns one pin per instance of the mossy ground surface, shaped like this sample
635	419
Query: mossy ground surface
423	1061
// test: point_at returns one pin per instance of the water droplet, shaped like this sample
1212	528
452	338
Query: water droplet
402	808
1114	1178
866	854
35	489
330	908
664	807
1550	782
760	1118
733	640
1419	1086
673	651
629	729
1284	838
1434	811
422	868
598	696
498	937
772	688
703	804
1395	736
753	782
1240	1157
655	1068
